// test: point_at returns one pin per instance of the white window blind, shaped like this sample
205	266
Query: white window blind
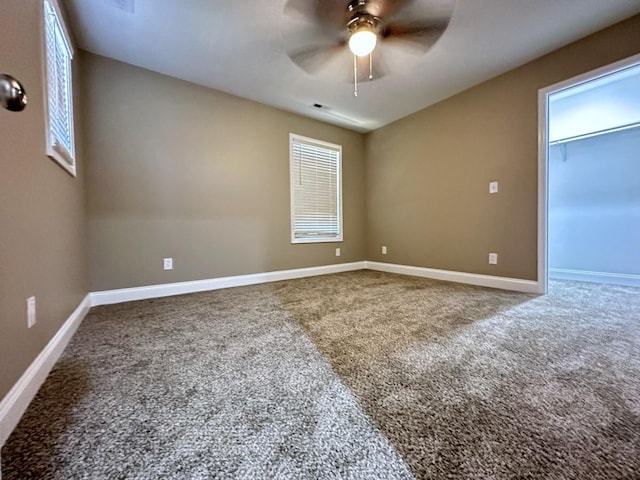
316	197
60	136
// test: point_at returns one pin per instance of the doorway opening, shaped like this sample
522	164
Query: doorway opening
589	177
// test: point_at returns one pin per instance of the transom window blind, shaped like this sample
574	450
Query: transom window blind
316	200
60	141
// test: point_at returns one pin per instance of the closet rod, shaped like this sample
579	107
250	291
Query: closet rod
628	126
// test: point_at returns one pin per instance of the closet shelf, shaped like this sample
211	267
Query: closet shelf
597	133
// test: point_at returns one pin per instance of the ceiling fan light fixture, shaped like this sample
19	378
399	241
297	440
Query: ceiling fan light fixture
363	40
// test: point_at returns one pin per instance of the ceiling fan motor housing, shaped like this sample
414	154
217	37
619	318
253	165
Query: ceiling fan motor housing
364	21
357	6
361	18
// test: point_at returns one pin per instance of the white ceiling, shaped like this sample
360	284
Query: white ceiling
240	47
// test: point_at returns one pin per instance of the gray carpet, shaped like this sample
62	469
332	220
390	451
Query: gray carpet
362	375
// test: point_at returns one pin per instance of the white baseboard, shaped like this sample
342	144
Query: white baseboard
595	277
108	297
14	404
154	291
515	284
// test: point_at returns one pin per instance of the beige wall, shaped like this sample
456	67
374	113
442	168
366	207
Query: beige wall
428	174
42	218
177	170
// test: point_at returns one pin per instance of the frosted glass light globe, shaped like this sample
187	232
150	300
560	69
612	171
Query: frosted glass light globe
362	42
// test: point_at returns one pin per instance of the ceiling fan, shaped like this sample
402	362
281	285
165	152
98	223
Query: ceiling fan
364	26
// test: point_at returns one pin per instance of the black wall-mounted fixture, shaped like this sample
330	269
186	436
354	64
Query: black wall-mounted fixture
12	94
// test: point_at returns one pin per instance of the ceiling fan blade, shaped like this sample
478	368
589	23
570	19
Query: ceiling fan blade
302	8
311	58
329	14
379	68
419	35
386	8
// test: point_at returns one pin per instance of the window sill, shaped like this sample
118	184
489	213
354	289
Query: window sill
62	157
316	240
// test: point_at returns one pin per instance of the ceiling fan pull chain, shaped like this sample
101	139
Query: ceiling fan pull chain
355	75
371	66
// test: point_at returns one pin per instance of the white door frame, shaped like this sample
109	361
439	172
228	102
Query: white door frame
543	155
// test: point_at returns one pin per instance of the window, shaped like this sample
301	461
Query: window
60	139
316	197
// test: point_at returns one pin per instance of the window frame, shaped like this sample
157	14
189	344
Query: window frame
54	148
331	146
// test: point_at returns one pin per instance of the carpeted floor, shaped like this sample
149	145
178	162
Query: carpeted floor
362	375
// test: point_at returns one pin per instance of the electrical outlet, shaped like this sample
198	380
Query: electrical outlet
168	264
493	187
338	252
384	250
31	311
493	258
